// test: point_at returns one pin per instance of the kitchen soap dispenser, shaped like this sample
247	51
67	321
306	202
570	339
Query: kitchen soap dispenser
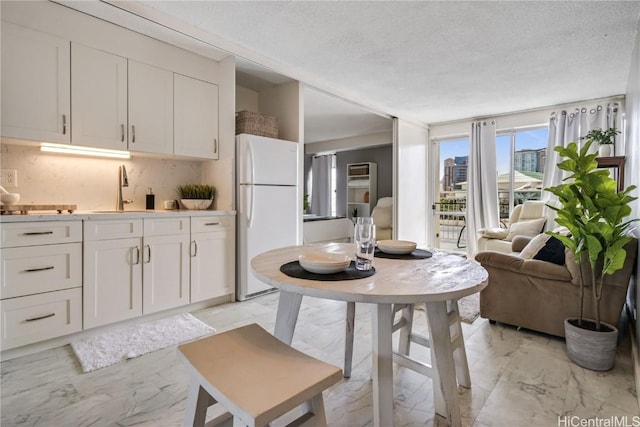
151	199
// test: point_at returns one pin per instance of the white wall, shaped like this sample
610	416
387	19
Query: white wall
285	103
352	143
410	187
246	99
632	169
538	117
92	183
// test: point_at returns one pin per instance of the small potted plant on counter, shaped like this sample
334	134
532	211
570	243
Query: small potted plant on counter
196	196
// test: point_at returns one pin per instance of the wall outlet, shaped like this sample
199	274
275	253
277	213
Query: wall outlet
8	177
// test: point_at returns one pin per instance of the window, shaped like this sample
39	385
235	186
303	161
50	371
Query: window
521	155
451	193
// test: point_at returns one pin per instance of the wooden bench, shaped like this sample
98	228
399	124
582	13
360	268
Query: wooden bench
255	377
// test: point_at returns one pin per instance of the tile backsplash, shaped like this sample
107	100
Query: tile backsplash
92	183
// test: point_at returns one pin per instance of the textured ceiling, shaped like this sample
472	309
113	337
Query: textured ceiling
434	61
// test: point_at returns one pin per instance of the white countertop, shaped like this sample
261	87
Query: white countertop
108	215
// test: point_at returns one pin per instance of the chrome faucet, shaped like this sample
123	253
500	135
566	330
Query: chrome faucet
123	181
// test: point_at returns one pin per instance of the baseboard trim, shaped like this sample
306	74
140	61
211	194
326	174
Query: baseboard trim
635	359
64	340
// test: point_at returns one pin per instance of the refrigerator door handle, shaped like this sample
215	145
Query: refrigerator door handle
250	202
249	164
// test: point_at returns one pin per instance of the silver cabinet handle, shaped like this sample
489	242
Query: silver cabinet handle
212	223
33	319
195	248
215	145
64	124
33	270
133	133
149	254
137	255
36	233
121	133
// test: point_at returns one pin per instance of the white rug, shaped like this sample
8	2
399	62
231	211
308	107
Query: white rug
117	345
469	307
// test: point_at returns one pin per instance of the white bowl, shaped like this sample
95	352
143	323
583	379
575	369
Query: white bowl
10	198
396	247
324	263
196	204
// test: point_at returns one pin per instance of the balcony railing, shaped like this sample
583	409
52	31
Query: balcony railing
451	217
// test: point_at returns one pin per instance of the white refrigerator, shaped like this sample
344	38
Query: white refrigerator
268	208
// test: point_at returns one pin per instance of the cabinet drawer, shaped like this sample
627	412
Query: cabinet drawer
31	270
166	226
202	224
40	233
116	229
34	318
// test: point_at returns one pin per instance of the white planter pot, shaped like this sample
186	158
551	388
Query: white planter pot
196	204
605	150
595	350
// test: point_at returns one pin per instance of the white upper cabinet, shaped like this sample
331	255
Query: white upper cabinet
71	78
195	118
98	98
35	85
150	109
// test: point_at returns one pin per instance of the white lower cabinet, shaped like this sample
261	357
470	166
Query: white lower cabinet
34	318
143	268
59	277
40	281
112	277
212	257
112	281
165	270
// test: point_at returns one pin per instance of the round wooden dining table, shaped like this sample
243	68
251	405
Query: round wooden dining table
435	282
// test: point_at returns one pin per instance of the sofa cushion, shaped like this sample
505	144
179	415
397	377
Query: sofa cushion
493	233
544	247
526	228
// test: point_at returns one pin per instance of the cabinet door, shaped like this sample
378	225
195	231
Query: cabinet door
36	91
150	109
212	260
34	318
195	118
98	98
165	272
112	281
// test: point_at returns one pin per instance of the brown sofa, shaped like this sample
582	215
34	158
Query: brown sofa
539	295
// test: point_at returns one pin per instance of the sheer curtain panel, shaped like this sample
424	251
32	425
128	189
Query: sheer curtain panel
321	185
566	127
482	179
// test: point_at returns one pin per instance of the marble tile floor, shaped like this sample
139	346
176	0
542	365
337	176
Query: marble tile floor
519	378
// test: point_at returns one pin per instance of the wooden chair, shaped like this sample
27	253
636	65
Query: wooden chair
255	377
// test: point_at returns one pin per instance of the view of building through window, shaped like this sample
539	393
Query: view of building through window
520	156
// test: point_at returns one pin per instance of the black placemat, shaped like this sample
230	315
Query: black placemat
294	269
416	254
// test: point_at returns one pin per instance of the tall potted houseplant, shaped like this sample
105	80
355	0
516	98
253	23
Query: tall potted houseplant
594	213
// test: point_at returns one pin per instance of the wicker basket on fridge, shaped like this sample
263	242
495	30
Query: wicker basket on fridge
256	124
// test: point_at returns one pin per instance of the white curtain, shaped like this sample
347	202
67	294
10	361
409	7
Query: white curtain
566	127
321	185
482	182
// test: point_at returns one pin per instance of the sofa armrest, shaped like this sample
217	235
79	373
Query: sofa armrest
519	242
527	267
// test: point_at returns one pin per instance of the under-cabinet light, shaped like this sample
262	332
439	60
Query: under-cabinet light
83	151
